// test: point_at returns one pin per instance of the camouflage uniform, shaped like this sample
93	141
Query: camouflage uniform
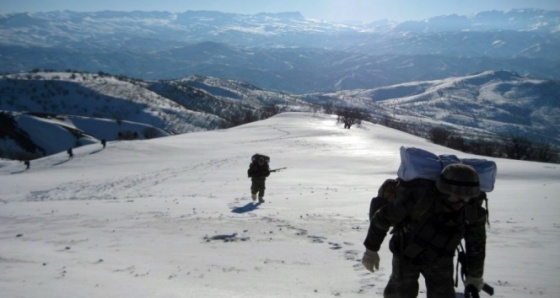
258	171
425	236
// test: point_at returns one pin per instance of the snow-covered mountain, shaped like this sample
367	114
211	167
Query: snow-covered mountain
84	107
284	51
98	95
172	217
178	106
133	29
490	104
27	136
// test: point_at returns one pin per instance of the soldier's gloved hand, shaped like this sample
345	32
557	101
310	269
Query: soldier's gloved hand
370	260
477	282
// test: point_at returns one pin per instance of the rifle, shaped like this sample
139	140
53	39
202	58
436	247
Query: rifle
278	170
470	290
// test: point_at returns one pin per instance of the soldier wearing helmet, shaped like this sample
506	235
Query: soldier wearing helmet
429	220
258	171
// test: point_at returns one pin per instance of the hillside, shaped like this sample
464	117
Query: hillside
172	217
98	95
191	104
227	99
27	136
116	107
488	104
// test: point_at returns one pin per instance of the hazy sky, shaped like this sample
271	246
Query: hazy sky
331	10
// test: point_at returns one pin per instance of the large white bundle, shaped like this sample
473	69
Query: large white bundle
419	163
486	170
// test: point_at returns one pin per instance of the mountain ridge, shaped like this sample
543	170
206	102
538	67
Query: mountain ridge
490	104
493	102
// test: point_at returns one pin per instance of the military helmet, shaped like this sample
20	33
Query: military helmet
459	179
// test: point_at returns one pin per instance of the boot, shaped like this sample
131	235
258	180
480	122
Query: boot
254	196
261	200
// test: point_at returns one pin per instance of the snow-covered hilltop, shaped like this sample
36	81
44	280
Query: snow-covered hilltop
173	217
491	103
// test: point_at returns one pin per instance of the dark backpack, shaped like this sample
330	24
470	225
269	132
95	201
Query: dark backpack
255	158
255	169
390	188
386	193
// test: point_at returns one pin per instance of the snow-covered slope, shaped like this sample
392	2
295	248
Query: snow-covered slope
98	95
107	106
488	103
172	217
190	104
31	135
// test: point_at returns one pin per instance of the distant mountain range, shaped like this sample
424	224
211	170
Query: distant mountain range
139	75
284	51
82	105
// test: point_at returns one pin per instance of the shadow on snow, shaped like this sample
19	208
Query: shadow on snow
247	208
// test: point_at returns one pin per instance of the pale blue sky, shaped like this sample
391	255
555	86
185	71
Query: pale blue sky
331	10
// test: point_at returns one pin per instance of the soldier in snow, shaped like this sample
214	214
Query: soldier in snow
258	171
429	220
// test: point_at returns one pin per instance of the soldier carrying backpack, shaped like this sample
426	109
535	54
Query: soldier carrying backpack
430	218
258	171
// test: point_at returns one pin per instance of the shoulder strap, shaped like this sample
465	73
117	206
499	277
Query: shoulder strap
472	209
421	194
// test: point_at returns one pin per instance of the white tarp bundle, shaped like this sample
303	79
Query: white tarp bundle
419	163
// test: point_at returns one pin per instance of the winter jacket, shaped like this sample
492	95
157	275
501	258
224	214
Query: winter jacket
424	230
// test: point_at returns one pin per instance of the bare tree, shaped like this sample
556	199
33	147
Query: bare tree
543	152
350	116
517	147
150	133
241	117
127	135
457	142
250	117
439	135
269	111
328	108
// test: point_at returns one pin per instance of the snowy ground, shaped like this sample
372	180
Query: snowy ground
172	217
